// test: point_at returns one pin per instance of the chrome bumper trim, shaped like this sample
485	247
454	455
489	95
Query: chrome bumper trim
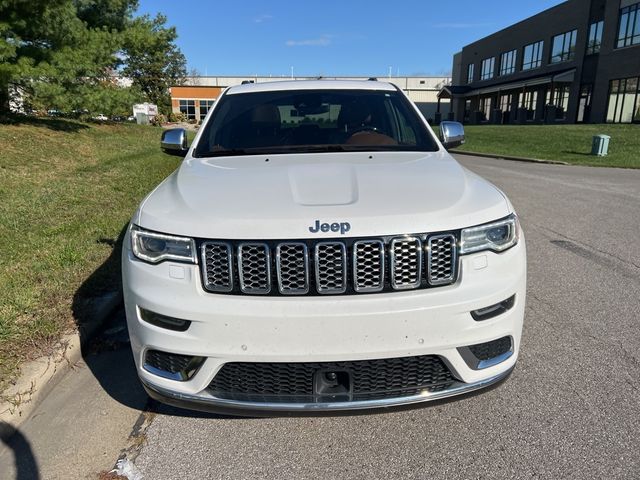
208	402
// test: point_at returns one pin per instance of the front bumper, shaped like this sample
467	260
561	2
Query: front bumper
230	328
208	403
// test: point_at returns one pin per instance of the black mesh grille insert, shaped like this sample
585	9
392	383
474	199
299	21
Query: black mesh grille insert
368	266
293	382
331	267
489	350
406	263
441	259
293	269
168	362
218	266
254	266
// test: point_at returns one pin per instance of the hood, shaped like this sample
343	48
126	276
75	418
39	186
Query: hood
286	196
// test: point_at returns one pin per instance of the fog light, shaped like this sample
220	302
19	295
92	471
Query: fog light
163	321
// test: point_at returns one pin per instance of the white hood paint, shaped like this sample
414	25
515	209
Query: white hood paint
383	193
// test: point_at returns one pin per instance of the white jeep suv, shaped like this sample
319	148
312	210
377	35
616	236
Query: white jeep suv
318	249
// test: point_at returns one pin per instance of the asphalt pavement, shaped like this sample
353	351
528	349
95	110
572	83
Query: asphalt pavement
571	408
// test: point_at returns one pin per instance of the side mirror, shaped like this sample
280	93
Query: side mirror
174	142
451	134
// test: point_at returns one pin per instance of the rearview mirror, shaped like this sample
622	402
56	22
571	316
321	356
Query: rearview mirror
174	142
451	134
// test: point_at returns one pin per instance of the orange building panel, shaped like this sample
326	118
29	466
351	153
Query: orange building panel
210	93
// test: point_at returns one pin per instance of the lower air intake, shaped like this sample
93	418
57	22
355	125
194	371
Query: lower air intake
294	382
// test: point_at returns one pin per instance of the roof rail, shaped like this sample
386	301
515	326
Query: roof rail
245	82
372	79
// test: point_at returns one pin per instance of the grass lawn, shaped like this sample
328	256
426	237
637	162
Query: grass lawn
67	190
566	143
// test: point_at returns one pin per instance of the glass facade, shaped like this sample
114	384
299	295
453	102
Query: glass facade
629	26
532	56
508	62
205	105
188	107
624	105
488	66
595	37
564	47
470	72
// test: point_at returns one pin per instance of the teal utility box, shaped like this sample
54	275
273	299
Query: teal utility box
600	146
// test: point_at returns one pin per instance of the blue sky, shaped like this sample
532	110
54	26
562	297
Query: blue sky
347	37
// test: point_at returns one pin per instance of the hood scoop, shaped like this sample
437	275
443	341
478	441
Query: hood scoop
333	184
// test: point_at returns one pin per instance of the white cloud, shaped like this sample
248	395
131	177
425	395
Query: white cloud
321	41
262	18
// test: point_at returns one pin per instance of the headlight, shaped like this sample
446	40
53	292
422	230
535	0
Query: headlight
156	247
497	236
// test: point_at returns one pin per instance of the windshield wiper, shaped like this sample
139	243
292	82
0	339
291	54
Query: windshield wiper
226	152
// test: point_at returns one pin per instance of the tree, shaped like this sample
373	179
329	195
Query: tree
30	32
152	60
64	53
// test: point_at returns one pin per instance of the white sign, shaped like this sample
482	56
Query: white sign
147	108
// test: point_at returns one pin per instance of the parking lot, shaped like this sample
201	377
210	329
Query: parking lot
571	409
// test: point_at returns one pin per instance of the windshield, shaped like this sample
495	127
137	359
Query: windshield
307	121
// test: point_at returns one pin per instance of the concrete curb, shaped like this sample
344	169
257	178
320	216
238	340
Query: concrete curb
38	377
509	157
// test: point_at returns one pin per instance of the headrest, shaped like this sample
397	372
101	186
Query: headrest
266	114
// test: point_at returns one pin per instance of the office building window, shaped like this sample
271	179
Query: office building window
532	56
595	37
205	105
624	102
564	47
529	101
470	72
485	107
467	110
188	107
559	97
508	63
629	26
487	70
505	102
584	103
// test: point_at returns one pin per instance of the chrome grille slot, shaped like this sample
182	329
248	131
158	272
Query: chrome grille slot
292	265
217	261
254	268
352	266
368	266
406	263
441	259
331	267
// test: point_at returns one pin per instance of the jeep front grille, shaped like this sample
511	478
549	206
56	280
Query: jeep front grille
329	267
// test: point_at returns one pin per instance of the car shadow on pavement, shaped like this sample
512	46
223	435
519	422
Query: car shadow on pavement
26	466
105	347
